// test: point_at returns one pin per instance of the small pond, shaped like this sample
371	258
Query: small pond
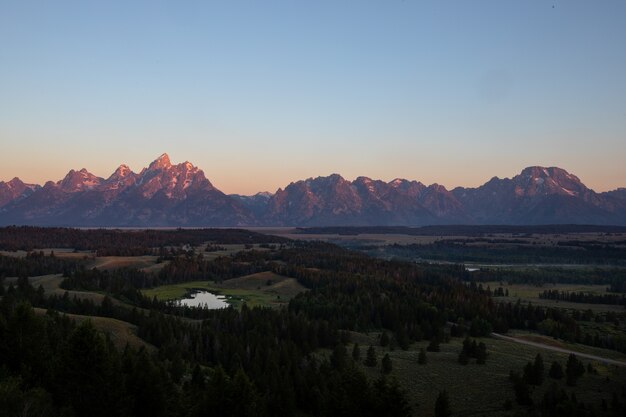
203	299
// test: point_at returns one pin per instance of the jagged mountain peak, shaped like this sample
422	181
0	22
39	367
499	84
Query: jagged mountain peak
15	189
122	178
374	187
543	172
162	162
79	180
546	181
410	188
556	174
332	178
178	195
438	188
396	181
122	171
15	182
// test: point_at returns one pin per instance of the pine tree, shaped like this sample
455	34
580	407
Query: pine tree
243	396
386	364
467	346
538	370
442	405
384	339
481	353
356	353
421	359
556	370
339	356
370	359
528	373
573	370
522	391
433	346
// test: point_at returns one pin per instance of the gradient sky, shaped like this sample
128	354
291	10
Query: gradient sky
261	93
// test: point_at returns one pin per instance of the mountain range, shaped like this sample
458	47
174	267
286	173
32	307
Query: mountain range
164	194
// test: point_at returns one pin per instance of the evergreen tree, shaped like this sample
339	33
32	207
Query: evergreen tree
522	391
421	359
481	353
243	396
442	405
433	346
339	356
384	339
573	370
528	373
533	371
93	378
370	359
386	364
467	346
556	370
538	370
391	401
356	353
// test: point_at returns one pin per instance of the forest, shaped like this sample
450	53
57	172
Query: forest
464	230
301	359
122	242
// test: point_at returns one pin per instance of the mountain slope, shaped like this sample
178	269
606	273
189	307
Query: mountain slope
14	190
164	194
536	196
160	195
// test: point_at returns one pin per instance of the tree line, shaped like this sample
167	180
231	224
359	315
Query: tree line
583	297
117	242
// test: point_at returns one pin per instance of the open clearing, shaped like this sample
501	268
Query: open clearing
260	289
539	344
481	388
120	332
228	249
530	239
147	262
63	253
51	286
529	292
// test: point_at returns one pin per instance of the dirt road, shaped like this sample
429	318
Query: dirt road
558	349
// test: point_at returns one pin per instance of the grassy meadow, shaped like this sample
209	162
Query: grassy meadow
264	289
530	293
483	388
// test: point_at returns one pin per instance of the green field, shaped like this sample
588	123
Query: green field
577	347
51	286
147	263
120	332
251	289
530	292
482	389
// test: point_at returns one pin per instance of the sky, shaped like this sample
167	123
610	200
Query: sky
262	93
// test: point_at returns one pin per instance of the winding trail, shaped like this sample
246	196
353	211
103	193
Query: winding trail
558	349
